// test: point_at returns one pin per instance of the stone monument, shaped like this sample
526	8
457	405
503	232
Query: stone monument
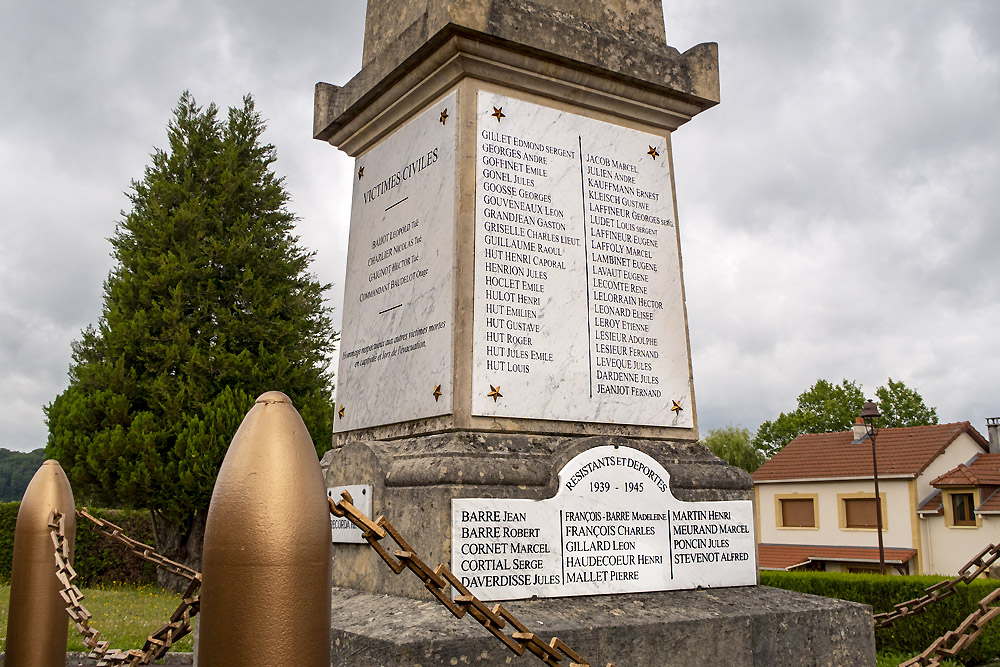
515	389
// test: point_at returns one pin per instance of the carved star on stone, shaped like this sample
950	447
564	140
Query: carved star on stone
654	153
498	113
437	392
361	173
341	412
494	393
676	407
444	116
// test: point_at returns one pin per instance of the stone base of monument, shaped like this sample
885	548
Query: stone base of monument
77	659
688	522
741	626
414	482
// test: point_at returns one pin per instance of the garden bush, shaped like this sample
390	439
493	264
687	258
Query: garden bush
910	635
97	559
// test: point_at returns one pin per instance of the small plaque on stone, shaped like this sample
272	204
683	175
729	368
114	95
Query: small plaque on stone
342	530
613	527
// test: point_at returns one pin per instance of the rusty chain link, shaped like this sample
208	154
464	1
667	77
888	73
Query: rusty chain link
441	580
954	641
941	590
160	641
143	551
438	581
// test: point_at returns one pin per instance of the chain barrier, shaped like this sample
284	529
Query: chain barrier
954	641
941	590
441	580
160	641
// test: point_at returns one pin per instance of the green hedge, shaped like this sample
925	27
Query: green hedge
97	559
910	635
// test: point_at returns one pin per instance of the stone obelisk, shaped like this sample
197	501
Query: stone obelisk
515	371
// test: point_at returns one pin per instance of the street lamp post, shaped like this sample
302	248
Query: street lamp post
869	413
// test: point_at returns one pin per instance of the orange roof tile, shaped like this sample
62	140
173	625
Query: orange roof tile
984	470
902	452
991	505
933	504
790	556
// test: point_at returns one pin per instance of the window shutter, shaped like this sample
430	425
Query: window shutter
860	512
798	513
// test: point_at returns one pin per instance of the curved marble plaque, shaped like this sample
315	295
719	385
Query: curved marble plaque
613	527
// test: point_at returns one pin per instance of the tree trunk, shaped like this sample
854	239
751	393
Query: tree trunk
181	543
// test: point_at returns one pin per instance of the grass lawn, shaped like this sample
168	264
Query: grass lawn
125	616
892	659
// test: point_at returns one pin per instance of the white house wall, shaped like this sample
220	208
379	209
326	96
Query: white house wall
951	547
898	529
963	449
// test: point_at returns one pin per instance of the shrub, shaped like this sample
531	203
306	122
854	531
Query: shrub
910	635
97	559
100	560
8	519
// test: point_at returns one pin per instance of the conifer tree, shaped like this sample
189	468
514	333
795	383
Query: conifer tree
210	304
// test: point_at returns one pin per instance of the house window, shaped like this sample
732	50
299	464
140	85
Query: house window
860	513
962	509
798	513
863	569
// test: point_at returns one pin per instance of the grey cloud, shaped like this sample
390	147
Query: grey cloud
855	153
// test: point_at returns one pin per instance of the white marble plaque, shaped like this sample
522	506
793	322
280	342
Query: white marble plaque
613	527
342	530
396	344
579	311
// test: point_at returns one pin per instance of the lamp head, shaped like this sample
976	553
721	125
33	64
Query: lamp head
869	413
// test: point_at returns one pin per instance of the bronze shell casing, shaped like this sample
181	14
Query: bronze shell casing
38	626
265	596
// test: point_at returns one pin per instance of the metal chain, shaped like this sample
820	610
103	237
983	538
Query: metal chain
143	551
441	578
159	642
941	590
438	582
954	641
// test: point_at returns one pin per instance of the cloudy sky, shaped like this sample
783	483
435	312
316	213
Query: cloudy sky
838	210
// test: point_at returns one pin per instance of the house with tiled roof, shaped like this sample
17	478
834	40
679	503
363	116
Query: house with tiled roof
939	499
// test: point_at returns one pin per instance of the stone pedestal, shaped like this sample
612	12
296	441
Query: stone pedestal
514	300
735	627
415	479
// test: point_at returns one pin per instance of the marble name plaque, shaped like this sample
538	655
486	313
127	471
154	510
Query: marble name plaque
579	311
613	527
343	531
396	345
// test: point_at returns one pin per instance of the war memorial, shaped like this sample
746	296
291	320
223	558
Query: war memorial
515	473
515	387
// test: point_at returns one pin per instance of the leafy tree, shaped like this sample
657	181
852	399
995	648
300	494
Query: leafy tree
16	471
902	406
826	408
735	446
823	408
209	305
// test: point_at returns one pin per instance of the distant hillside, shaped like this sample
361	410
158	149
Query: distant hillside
16	470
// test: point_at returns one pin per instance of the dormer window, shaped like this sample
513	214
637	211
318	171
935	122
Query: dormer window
963	509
